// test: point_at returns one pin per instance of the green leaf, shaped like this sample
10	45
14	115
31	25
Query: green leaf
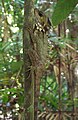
16	66
36	1
5	98
62	9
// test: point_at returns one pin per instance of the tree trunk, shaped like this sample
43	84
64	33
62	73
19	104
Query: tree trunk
28	73
35	53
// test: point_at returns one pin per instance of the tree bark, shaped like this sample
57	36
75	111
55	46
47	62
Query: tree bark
28	73
35	53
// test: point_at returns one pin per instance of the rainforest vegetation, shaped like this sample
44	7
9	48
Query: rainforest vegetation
39	59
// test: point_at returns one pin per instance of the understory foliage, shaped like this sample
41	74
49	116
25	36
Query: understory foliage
59	84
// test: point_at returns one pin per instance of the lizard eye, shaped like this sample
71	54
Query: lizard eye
40	14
